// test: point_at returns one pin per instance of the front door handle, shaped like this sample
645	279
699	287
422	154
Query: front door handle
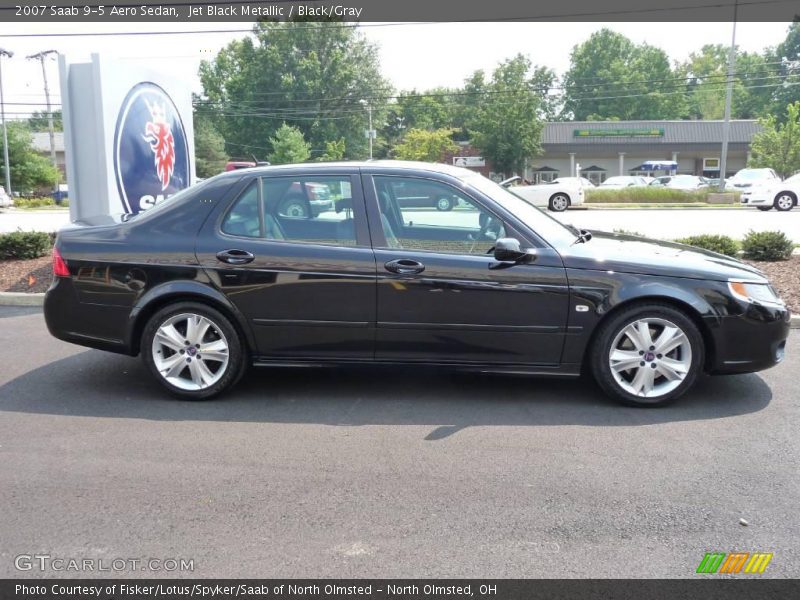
235	257
404	266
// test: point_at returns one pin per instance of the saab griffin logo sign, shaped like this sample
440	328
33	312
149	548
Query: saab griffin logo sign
735	562
151	152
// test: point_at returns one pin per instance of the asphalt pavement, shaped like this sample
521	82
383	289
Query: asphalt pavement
390	473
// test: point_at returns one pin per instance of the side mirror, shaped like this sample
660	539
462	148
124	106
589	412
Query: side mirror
508	250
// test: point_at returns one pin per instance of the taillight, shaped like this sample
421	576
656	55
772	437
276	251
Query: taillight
59	266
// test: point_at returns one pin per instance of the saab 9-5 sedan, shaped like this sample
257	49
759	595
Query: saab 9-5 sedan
218	277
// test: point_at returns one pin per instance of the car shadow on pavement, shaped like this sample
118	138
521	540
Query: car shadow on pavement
97	384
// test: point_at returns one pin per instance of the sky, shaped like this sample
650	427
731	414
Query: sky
413	56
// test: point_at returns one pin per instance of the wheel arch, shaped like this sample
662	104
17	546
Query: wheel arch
677	303
565	194
172	293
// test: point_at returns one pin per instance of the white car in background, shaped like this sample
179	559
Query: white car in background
5	199
747	178
557	195
782	195
685	183
623	181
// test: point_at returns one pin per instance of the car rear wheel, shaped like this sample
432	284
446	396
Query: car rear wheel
559	202
764	208
647	355
784	201
193	350
444	203
294	206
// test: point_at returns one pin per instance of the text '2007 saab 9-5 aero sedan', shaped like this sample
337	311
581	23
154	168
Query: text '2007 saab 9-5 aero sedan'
219	277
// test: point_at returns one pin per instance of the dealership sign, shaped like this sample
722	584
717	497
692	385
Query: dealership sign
128	136
151	153
622	132
469	161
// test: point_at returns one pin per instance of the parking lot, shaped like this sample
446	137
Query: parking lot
387	473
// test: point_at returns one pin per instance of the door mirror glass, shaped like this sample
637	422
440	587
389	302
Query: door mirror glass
508	250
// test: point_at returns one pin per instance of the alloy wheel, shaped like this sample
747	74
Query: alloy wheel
784	202
650	357
559	203
190	351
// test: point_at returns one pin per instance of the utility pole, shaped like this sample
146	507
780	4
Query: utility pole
370	131
41	57
7	54
726	126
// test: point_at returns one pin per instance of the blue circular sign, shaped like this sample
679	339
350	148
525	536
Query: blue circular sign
151	152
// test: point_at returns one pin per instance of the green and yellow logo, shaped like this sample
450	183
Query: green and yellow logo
735	562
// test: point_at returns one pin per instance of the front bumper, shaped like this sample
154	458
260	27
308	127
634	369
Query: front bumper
756	199
751	341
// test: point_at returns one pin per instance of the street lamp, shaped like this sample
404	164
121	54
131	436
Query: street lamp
8	54
40	57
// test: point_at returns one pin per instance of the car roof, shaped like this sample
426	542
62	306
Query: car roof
399	165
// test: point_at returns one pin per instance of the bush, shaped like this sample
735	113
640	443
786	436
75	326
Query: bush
24	244
629	232
644	195
716	243
767	245
33	202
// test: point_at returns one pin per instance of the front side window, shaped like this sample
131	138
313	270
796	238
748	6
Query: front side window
422	214
295	209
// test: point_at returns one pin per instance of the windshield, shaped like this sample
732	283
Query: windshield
553	231
752	174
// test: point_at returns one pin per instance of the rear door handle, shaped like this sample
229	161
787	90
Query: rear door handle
235	256
404	266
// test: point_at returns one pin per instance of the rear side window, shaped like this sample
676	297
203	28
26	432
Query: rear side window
244	218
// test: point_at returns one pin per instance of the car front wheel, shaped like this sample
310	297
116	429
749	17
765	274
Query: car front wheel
193	350
647	355
559	202
444	203
784	201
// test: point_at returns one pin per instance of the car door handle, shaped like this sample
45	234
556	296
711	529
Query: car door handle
235	257
404	266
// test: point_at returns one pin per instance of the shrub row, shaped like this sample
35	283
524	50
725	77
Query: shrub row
756	245
36	202
25	244
644	195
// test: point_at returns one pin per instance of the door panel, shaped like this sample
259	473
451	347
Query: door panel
309	290
462	306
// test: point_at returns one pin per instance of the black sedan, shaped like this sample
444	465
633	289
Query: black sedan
217	278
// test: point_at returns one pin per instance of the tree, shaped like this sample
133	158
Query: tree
610	76
777	146
427	146
289	146
787	61
38	121
29	170
209	148
506	121
311	75
334	150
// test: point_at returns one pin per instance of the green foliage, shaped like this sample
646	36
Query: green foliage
427	146
610	76
209	148
506	123
36	202
39	122
788	73
629	232
778	144
310	74
24	244
29	170
334	150
721	244
643	195
767	245
289	146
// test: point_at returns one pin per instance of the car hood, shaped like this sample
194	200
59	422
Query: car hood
633	254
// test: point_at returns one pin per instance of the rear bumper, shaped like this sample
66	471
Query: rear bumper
752	341
96	325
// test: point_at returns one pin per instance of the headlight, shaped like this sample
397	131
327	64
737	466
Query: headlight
754	292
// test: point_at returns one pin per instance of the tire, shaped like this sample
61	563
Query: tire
558	202
189	382
764	208
785	201
294	206
621	334
444	204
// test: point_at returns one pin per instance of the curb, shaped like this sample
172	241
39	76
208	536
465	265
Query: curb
24	299
21	299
